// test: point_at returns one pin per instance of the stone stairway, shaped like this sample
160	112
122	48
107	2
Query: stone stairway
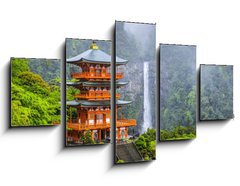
128	152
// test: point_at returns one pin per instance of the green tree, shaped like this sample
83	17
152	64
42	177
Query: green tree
34	101
86	137
146	144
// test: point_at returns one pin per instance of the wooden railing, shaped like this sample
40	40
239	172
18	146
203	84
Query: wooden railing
95	95
78	126
126	122
120	123
88	75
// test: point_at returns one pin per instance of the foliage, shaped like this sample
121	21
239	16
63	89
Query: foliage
86	137
71	91
216	92
18	67
34	101
146	144
48	69
120	161
33	83
177	133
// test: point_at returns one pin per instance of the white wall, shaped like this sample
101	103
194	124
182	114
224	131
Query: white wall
35	156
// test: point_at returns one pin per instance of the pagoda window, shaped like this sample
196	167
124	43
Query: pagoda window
104	71
91	119
98	70
91	70
107	118
91	116
79	116
99	118
105	92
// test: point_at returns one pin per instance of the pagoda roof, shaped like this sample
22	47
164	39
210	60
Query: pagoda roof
84	103
95	55
95	84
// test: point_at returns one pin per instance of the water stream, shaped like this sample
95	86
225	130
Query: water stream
147	112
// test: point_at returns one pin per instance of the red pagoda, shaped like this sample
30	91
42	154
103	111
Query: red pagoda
92	104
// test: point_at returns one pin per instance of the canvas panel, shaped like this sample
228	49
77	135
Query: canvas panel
177	92
35	92
135	65
88	92
216	92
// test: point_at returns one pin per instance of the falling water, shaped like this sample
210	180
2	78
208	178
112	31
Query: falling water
146	113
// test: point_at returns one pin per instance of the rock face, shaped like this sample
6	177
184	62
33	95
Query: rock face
128	153
136	43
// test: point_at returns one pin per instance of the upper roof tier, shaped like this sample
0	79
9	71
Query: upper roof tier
95	55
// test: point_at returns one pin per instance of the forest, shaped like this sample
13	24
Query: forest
216	92
177	92
146	144
35	92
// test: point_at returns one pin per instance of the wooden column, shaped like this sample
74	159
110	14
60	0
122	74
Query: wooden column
126	132
70	110
95	120
119	133
104	119
99	135
78	113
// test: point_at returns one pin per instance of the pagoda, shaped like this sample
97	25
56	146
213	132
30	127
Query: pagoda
92	104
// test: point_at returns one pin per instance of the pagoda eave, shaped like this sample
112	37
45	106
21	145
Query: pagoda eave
83	103
95	83
95	62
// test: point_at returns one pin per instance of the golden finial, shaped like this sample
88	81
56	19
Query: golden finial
94	46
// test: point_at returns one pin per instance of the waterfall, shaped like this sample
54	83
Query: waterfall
146	97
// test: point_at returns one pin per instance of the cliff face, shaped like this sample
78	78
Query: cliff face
136	43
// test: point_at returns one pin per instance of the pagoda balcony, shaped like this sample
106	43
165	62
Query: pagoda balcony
88	75
74	125
126	123
95	95
83	126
